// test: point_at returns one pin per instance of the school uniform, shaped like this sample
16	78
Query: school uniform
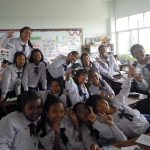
11	80
15	133
69	140
58	67
109	64
16	45
33	75
144	70
97	90
62	97
130	121
101	134
74	90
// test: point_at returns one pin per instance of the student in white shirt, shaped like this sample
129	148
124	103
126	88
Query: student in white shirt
11	82
142	75
21	44
35	72
89	65
61	64
107	61
130	121
77	86
99	86
56	89
18	129
57	131
94	132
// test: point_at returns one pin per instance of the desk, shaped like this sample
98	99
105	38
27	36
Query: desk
134	99
130	142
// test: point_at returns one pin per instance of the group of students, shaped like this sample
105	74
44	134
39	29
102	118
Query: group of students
81	110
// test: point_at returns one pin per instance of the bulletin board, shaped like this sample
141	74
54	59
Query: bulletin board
53	41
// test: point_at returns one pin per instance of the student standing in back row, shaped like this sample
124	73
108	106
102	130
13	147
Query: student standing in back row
21	44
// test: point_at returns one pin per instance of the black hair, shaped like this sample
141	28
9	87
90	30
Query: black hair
74	53
50	100
100	80
31	59
82	56
25	97
101	46
136	46
17	54
60	84
86	50
75	78
22	30
75	107
5	62
94	99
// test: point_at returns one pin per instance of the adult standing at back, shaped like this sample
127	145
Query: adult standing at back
19	44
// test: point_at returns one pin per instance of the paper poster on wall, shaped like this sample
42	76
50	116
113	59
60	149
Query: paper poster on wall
53	42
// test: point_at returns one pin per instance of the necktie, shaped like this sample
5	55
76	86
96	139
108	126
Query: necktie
63	136
36	71
23	47
19	74
32	128
125	115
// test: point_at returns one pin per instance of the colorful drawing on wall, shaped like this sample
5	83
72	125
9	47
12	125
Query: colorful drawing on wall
53	41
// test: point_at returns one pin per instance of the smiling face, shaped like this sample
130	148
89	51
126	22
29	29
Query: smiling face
33	109
94	78
138	53
26	35
56	112
55	87
86	61
82	79
82	112
20	61
37	56
102	107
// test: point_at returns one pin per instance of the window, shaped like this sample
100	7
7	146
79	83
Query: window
131	30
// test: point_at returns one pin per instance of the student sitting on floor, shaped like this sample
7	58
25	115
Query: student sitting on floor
18	129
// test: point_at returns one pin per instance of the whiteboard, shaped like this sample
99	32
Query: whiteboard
53	41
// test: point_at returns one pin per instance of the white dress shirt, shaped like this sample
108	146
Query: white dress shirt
15	45
145	72
74	92
15	133
138	123
111	65
9	79
106	133
56	68
73	141
31	79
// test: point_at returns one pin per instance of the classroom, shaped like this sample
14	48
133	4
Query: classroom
74	75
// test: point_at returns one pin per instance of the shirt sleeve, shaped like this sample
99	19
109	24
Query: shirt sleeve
44	78
6	81
7	133
73	92
124	92
25	78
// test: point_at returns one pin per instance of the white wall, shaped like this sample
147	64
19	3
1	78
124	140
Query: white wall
91	15
128	7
